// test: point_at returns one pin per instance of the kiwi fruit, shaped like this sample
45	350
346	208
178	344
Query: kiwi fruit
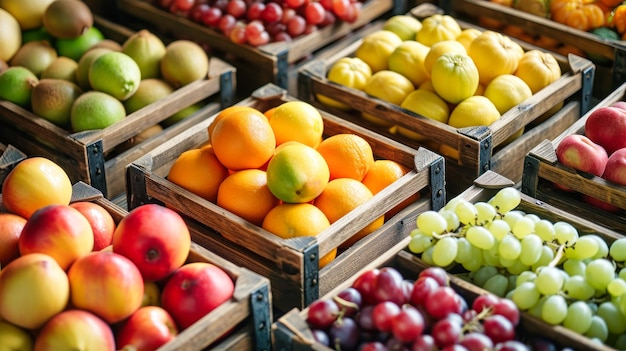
147	50
52	99
67	19
35	55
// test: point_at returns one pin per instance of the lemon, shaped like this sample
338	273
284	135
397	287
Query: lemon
405	26
388	86
427	104
10	35
476	110
16	85
116	74
408	59
95	110
454	77
507	91
376	47
441	48
29	13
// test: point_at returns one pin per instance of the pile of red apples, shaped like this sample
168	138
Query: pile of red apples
72	277
600	150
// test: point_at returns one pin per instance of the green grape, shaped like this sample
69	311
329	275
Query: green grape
554	309
549	281
431	223
517	267
467	212
451	218
523	227
617	287
453	202
574	267
576	287
525	295
615	320
486	212
618	250
528	276
512	217
491	257
420	243
497	285
620	342
506	263
512	281
533	216
597	329
415	232
480	237
427	256
599	273
445	251
474	264
530	249
499	228
622	274
509	247
545	229
535	311
483	274
585	247
506	199
622	306
603	248
463	250
547	255
565	233
578	317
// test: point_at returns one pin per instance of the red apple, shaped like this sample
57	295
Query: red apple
101	221
11	226
59	231
147	329
606	126
34	183
615	171
33	288
75	330
599	203
579	152
107	284
194	290
155	238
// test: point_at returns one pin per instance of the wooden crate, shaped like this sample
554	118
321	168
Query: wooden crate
611	62
479	148
270	63
290	331
85	155
292	265
249	312
542	169
10	156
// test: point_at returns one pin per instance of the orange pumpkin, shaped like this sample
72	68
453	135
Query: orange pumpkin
577	14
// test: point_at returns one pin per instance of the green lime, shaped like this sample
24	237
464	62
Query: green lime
16	85
116	74
76	47
96	110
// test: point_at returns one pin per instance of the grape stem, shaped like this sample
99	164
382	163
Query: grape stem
345	304
558	257
474	324
445	235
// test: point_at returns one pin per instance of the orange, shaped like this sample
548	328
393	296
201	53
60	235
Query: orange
227	111
347	155
269	113
243	139
297	173
384	173
298	121
245	193
295	220
199	171
341	196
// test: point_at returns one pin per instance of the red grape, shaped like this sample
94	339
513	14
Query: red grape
373	346
442	302
484	301
351	13
165	3
236	8
294	4
288	13
329	18
383	314
508	309
238	33
446	332
314	13
424	342
365	318
296	26
282	36
498	328
512	345
254	11
422	287
321	337
328	4
349	301
221	4
254	28
184	5
259	39
344	333
226	24
198	11
212	17
475	341
272	13
437	273
455	347
408	324
389	286
365	284
322	313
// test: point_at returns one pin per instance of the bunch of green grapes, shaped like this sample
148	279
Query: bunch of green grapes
546	268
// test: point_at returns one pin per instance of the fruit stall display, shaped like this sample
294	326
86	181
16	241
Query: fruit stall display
319	211
295	35
9	157
556	267
400	303
93	284
578	159
591	29
95	148
440	113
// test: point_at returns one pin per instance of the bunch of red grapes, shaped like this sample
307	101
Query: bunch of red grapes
258	22
383	311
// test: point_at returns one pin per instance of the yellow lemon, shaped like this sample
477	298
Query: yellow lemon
476	110
440	48
427	104
408	59
388	86
455	77
507	91
376	48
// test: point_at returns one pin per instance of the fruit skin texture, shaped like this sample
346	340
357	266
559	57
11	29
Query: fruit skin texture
106	284
351	72
60	231
155	238
116	74
184	62
476	110
606	126
34	183
33	288
538	69
95	110
147	50
16	85
194	290
147	329
101	221
615	170
579	152
73	330
14	338
494	54
52	99
64	19
11	226
454	77
376	48
10	35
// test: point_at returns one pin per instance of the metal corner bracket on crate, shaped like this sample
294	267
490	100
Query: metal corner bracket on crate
261	318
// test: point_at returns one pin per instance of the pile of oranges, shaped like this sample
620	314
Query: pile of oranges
276	169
